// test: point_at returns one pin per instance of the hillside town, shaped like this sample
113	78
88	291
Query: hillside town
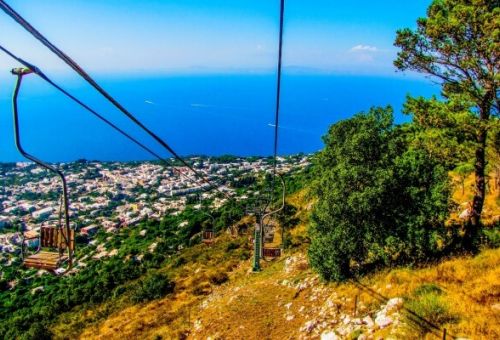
109	196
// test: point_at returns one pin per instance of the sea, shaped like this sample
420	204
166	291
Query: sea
195	114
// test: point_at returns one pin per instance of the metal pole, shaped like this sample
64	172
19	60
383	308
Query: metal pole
20	72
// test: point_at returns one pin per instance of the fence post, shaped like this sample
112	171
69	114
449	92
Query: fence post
355	305
444	334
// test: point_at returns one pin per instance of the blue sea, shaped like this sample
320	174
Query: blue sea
210	115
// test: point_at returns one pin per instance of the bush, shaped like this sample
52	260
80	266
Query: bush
380	201
218	278
232	246
427	288
492	237
432	308
153	286
179	261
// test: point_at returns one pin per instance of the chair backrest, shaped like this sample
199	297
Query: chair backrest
271	252
208	235
53	237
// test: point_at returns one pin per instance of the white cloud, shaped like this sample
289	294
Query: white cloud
364	48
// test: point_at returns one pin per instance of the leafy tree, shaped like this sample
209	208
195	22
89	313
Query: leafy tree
463	171
458	44
379	200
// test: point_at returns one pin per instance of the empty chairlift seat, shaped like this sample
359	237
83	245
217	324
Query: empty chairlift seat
53	244
271	252
208	236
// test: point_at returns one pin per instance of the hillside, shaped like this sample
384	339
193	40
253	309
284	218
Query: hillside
216	297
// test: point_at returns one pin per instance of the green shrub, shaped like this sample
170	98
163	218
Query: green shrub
427	301
218	278
202	289
427	288
380	200
179	261
492	237
232	246
153	286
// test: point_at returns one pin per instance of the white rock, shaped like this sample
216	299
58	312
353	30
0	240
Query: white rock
368	321
152	247
290	317
394	303
329	303
309	326
347	319
329	335
383	321
288	305
143	232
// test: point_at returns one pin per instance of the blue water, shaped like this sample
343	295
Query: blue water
209	115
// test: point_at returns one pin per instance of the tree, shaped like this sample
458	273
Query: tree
458	44
463	171
380	201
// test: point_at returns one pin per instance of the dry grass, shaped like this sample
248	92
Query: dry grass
260	306
491	210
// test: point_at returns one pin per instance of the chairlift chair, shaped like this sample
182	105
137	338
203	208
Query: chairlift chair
57	243
208	234
267	234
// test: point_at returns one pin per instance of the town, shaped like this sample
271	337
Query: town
110	196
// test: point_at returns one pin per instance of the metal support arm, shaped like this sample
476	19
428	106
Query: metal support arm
20	72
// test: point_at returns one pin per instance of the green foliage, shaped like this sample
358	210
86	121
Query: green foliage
492	236
24	314
380	202
427	302
446	130
153	286
218	278
427	288
457	44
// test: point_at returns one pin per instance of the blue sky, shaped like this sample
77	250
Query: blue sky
160	52
200	36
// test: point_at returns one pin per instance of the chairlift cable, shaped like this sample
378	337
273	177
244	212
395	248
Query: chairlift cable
258	239
42	75
278	86
78	69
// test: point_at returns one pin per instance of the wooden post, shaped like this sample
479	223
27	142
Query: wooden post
444	334
355	305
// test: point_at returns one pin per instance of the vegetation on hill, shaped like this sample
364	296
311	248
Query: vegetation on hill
458	45
287	299
383	190
381	207
380	201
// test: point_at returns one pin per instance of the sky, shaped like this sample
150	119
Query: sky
119	37
201	73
